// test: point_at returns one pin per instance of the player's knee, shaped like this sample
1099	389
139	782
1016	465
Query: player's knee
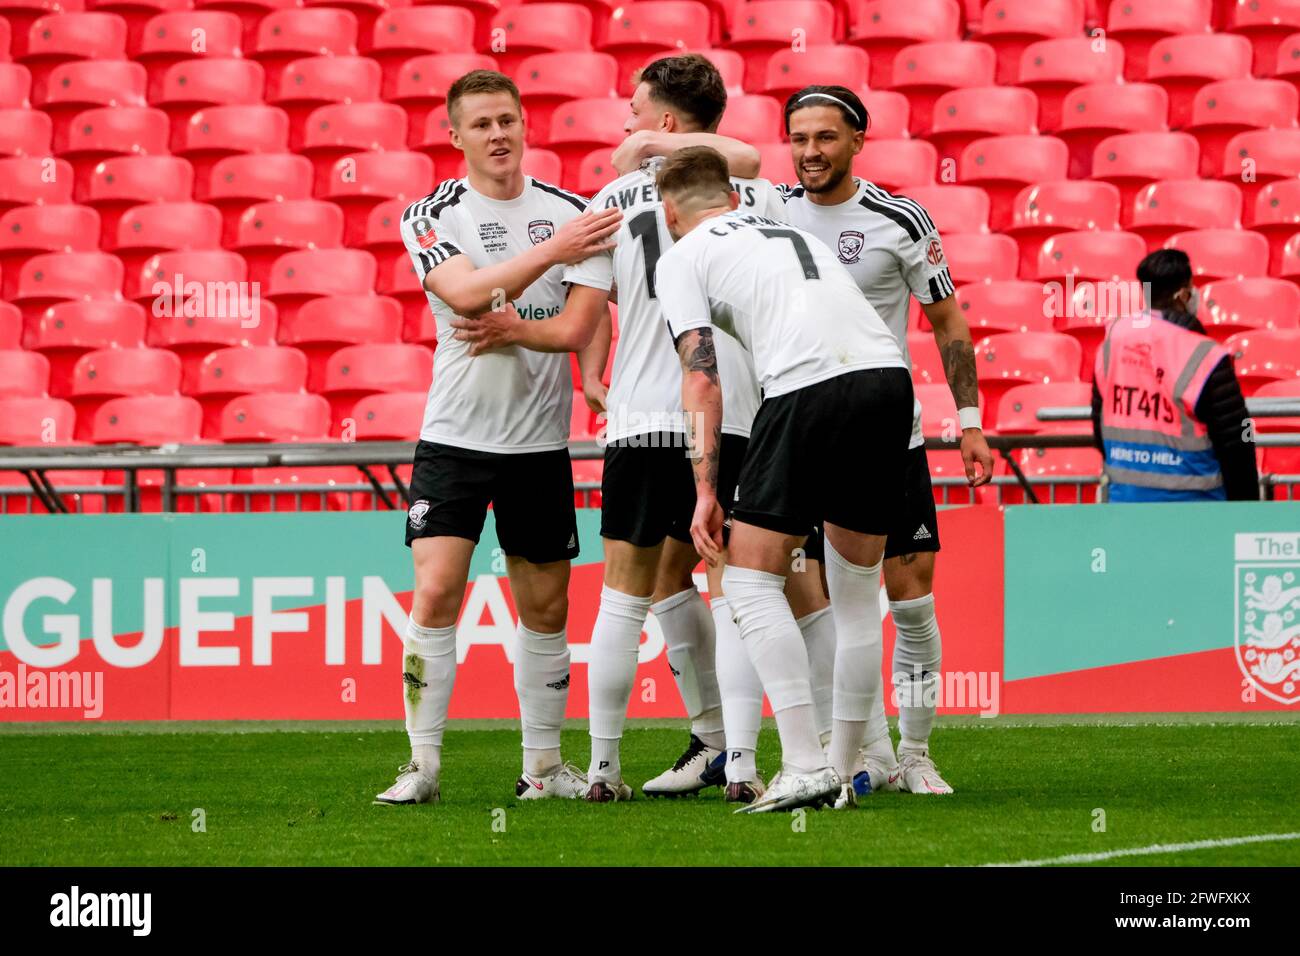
909	576
434	602
547	618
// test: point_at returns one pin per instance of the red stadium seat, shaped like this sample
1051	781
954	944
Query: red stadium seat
939	411
1288	266
1131	160
15	86
1093	112
118	183
1052	68
231	372
25	132
729	63
315	81
19	15
1010	305
214	133
1090	255
888	113
596	171
268	230
1184	64
300	276
1276	215
102	133
1249	305
85	84
236	182
359	182
136	13
1139	24
1017	412
356	371
23	374
146	230
36	421
65	332
30	179
539	28
760	29
71	35
171	38
789	70
954	208
884	27
421	83
1288	60
192	85
324	325
1281	388
435	142
332	132
381	234
776	164
548	79
398	280
1041	211
1222	253
11	326
648	29
1068	469
1164	208
1265	23
1003	165
180	288
146	420
62	276
753	117
1264	356
275	416
925	71
406	32
894	164
27	231
1222	110
977	257
965	115
1266	154
394	416
1020	358
580	126
114	373
927	365
1010	27
250	13
321	480
287	35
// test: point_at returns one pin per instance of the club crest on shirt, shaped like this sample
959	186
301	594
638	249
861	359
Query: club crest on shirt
424	233
850	245
934	252
416	515
539	230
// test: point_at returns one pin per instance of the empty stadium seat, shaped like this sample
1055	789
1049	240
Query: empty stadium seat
275	416
753	117
1184	64
939	411
268	230
1223	109
172	38
102	133
191	85
118	183
145	420
1222	253
1010	26
323	479
1021	358
15	86
236	182
312	82
539	28
790	70
925	71
30	179
421	83
636	32
548	79
216	132
1010	305
1266	154
71	35
113	373
332	132
65	332
23	374
136	13
1265	23
965	115
954	208
884	27
1264	356
359	370
146	230
394	416
300	276
1275	214
1093	112
1041	211
597	170
579	126
228	373
894	164
1090	255
1139	24
25	132
382	222
1287	66
1017	412
435	141
978	257
760	29
324	325
1052	68
1164	208
11	326
1285	389
1003	165
1068	468
1131	160
27	231
85	84
1249	305
405	32
61	276
36	420
927	365
287	35
358	182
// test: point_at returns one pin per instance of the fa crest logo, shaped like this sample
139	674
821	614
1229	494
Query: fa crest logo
850	245
425	233
1267	618
416	516
539	230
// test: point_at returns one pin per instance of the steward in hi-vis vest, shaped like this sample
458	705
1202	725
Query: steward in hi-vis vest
1167	409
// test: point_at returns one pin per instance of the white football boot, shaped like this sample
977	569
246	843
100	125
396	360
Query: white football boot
848	798
608	791
919	774
413	786
875	775
699	768
566	783
787	791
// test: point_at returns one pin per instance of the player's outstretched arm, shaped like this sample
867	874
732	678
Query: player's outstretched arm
702	403
570	331
952	335
742	159
470	291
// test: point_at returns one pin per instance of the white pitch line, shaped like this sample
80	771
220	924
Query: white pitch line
1155	848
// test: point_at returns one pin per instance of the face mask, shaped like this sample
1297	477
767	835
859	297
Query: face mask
1193	302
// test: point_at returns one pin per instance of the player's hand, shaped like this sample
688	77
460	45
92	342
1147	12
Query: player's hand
595	392
975	450
584	236
489	330
631	151
706	530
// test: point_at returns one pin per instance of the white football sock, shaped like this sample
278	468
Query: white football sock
917	652
876	739
611	672
818	629
742	695
428	673
542	686
855	601
688	632
776	649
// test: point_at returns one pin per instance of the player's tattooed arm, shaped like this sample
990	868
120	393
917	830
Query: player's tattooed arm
952	335
697	353
702	403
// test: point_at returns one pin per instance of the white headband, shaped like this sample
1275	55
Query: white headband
836	99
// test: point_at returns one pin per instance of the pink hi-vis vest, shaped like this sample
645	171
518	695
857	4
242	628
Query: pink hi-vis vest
1150	373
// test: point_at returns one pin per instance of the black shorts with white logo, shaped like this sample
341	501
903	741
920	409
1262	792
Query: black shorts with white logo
531	495
833	451
648	486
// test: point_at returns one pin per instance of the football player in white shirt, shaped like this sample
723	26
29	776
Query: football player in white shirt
890	246
828	446
648	492
496	430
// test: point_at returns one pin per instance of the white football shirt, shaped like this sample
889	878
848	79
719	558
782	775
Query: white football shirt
510	400
782	293
645	393
890	246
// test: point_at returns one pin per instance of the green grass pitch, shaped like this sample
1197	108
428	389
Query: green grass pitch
300	795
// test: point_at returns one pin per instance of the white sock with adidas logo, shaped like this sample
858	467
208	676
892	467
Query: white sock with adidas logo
611	672
428	674
542	686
